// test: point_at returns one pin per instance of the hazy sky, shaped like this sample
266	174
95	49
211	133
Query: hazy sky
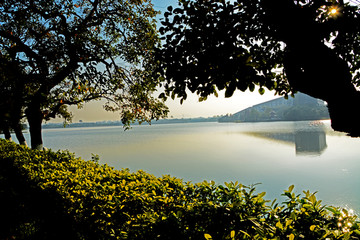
190	108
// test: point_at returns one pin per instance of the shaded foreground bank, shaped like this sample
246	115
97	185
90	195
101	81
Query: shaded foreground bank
53	195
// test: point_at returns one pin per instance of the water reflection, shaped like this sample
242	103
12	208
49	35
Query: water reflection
309	138
310	143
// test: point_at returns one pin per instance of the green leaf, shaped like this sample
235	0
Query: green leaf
307	205
232	234
261	91
230	91
261	195
242	86
207	236
162	95
312	199
291	236
279	225
201	99
288	222
245	233
251	87
333	210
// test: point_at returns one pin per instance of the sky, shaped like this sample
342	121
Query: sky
191	108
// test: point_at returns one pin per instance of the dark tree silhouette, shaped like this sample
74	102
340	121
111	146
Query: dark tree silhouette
310	46
11	100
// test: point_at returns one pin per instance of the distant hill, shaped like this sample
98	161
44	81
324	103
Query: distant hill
299	108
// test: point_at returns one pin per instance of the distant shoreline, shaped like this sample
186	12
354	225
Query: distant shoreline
118	123
161	121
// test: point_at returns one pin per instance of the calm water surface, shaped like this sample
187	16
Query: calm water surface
277	154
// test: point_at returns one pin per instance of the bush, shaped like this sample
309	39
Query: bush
53	195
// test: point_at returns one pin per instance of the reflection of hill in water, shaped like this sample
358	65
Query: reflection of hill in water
308	140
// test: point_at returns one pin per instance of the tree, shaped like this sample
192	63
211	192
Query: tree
73	51
12	100
310	46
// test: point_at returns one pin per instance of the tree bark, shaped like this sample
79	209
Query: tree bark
7	133
320	73
19	134
35	118
344	113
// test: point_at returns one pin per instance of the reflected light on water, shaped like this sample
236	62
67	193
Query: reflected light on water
347	216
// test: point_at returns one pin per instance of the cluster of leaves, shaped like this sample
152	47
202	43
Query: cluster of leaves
210	45
344	37
53	195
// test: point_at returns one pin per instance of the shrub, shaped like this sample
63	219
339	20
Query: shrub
53	195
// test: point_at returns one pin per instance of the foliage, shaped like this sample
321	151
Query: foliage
53	195
283	113
301	113
284	45
72	52
210	45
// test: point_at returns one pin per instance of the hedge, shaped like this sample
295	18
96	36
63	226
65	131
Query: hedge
54	195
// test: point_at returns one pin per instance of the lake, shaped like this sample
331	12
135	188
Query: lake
308	154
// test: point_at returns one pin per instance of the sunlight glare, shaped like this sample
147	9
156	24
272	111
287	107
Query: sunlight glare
334	11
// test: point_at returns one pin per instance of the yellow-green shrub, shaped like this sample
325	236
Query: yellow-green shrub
53	195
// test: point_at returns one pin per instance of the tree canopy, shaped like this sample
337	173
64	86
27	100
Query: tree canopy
310	46
69	52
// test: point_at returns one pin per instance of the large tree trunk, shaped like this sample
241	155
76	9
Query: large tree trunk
312	67
7	133
35	118
344	113
19	134
318	72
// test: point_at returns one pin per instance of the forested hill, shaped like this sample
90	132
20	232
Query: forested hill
301	107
